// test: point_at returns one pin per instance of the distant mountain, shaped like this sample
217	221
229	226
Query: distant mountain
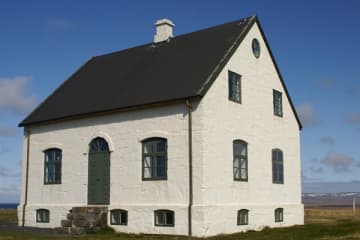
331	199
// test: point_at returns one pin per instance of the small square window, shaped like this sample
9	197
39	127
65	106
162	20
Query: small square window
279	215
243	217
118	217
277	102
164	218
42	216
234	87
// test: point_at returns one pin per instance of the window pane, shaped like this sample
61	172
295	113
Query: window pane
123	217
148	147
169	218
237	148
160	218
161	146
243	173
161	166
115	218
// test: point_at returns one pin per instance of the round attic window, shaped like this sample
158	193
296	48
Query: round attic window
256	47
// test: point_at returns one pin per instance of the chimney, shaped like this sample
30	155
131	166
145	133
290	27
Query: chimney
164	30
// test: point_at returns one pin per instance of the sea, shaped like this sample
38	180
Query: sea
9	205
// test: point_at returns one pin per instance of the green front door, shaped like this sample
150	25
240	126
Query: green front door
99	172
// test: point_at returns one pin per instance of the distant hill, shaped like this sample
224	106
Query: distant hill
344	199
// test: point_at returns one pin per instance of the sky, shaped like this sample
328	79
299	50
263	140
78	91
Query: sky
314	44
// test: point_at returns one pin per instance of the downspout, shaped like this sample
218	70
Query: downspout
27	134
189	108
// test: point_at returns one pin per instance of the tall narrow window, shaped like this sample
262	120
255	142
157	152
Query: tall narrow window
234	87
277	101
279	215
154	159
164	218
42	216
243	217
52	171
240	163
118	217
277	166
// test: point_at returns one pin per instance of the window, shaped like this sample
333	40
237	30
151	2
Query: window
279	215
42	216
256	47
52	171
243	217
118	217
240	163
277	101
234	87
154	159
164	218
277	166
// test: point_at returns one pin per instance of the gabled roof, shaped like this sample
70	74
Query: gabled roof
181	68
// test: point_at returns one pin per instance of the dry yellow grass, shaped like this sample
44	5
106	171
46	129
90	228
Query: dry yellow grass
8	215
330	215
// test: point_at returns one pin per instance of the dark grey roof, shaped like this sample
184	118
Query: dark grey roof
181	68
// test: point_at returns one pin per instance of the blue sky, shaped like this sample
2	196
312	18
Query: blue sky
315	44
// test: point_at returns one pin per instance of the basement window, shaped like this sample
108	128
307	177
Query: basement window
279	215
52	166
42	216
243	217
118	217
234	86
164	218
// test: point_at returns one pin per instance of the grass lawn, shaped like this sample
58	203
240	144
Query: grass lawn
320	224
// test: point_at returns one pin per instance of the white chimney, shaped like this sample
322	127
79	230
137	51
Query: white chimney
164	30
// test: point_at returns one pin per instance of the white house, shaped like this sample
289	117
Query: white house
188	135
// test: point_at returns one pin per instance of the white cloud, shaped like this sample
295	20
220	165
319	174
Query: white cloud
60	24
14	96
353	118
338	161
307	115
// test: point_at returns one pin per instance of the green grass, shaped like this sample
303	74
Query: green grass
321	224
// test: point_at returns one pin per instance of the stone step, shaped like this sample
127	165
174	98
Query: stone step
71	230
66	223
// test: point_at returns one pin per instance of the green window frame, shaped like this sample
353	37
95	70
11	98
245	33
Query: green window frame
164	218
154	159
234	86
118	217
243	217
278	166
52	166
279	215
42	215
277	103
240	160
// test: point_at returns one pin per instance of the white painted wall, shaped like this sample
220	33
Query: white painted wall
254	122
124	133
216	123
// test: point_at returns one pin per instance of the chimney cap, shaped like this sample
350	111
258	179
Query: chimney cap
164	21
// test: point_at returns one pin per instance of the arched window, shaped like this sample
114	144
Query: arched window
243	217
154	159
277	166
164	218
98	145
52	166
279	215
118	217
42	216
240	160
